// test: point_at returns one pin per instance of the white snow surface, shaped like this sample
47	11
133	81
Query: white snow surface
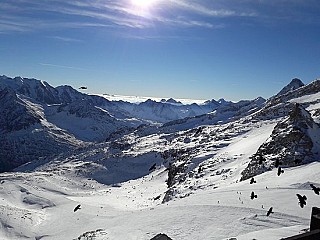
307	98
40	204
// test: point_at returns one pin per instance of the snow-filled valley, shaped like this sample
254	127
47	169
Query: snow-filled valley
209	175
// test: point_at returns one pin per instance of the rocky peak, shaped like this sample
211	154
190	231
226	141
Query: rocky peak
293	141
67	94
173	101
293	85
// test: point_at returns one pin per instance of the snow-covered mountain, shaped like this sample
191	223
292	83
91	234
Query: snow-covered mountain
293	85
186	178
163	111
25	133
39	120
34	106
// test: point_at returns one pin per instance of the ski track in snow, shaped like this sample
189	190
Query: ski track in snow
128	211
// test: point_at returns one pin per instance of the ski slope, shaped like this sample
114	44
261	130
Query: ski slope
40	206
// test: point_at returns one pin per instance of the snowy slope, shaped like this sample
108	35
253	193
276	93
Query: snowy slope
40	205
26	135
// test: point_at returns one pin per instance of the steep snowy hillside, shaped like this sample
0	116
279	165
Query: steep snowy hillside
25	133
38	120
15	113
296	138
194	159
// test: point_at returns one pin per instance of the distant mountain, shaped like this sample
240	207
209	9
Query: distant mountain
167	110
171	101
305	91
40	91
48	114
224	112
293	85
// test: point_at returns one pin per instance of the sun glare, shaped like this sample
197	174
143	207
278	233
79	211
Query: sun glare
143	3
143	8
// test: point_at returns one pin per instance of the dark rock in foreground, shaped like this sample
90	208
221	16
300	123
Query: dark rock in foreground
161	236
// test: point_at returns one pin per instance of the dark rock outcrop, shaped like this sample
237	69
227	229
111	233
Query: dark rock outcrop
293	85
161	236
294	141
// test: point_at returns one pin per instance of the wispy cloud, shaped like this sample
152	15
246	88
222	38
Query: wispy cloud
158	37
202	9
61	66
31	15
87	13
66	39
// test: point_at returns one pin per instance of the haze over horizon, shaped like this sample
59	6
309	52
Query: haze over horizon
178	48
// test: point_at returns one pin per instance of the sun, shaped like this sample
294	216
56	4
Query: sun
143	3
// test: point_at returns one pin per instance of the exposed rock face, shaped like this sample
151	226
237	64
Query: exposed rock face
293	85
15	114
294	141
309	89
177	170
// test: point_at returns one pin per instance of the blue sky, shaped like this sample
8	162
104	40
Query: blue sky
204	49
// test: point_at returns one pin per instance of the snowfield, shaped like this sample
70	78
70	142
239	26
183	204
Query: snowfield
40	204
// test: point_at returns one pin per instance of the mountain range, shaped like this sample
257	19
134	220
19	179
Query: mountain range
39	119
146	156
